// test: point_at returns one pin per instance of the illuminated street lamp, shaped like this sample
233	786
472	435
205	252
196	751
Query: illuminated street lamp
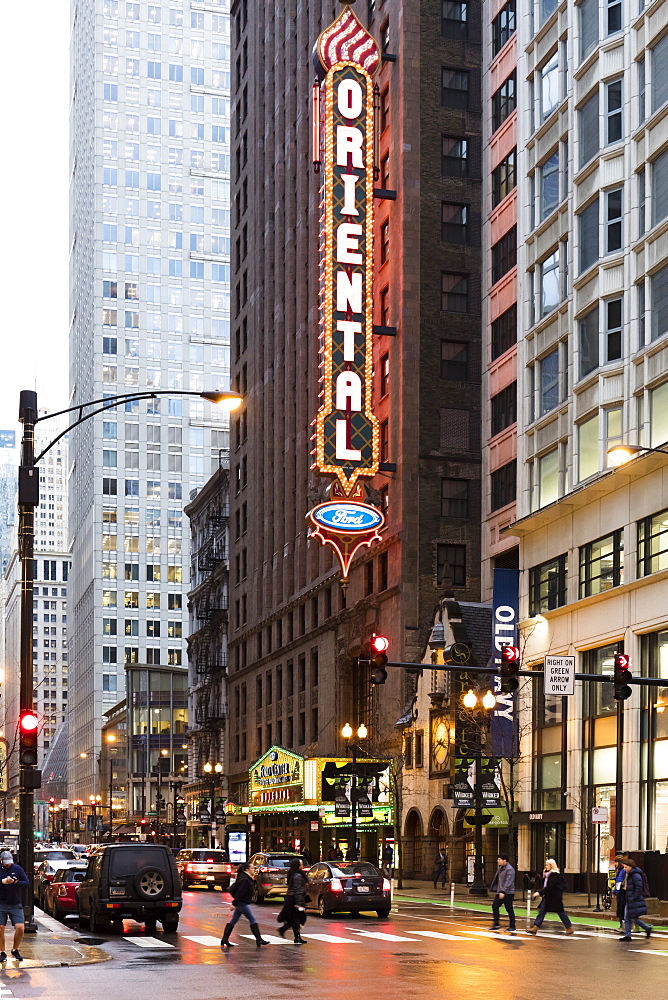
212	771
487	703
620	454
347	733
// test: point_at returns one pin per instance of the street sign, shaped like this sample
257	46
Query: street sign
599	814
559	675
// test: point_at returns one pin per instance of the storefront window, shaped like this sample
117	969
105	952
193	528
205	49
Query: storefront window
661	816
605	797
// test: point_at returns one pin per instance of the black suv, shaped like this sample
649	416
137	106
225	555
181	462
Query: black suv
131	880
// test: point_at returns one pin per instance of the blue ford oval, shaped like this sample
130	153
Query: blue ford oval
340	515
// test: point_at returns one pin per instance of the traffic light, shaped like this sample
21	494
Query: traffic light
160	803
622	676
28	726
510	665
375	656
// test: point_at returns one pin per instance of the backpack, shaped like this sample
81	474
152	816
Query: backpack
645	885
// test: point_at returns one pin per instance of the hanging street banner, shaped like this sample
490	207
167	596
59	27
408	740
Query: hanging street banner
505	615
346	430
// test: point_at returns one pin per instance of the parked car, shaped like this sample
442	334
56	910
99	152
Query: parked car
60	894
45	874
201	866
131	880
53	854
271	873
348	886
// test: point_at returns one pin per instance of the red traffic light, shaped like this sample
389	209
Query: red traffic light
379	643
29	722
143	821
510	654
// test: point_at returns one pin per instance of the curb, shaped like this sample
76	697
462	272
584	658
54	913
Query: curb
54	947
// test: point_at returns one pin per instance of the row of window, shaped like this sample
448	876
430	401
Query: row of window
153	572
153	655
130	599
132	12
601	564
174	628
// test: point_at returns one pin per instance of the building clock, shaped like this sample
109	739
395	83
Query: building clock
440	744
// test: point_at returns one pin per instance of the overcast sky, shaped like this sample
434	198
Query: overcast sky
34	179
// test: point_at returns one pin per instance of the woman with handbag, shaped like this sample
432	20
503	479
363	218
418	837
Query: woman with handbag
552	894
242	894
293	913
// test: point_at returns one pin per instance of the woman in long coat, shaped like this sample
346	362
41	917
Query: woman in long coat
293	913
635	900
552	895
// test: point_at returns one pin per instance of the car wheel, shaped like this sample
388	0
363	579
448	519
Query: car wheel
97	925
170	925
383	914
150	883
257	893
322	907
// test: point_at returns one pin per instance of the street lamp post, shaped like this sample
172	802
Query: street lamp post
28	499
213	771
478	886
95	801
347	733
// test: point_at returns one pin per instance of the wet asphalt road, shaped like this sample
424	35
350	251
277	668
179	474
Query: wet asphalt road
421	952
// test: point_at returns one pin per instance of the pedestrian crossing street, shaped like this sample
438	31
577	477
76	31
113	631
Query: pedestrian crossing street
357	936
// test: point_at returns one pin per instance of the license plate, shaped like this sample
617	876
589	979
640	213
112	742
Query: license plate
362	888
211	878
116	890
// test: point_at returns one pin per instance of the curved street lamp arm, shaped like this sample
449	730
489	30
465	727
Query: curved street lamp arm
86	416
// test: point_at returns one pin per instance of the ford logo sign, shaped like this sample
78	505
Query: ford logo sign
343	516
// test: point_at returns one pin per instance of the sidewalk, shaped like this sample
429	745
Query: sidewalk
420	891
54	945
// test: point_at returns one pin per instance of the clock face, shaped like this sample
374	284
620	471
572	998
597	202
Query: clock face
440	744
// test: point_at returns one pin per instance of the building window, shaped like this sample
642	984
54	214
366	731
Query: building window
419	749
503	26
549	283
384	241
384	375
589	10
659	189
659	304
504	408
613	112
454	156
589	129
454	88
549	382
384	441
614	16
548	477
602	564
613	329
547	585
601	661
454	292
504	178
408	752
451	565
549	87
549	185
660	74
454	498
588	448
589	238
613	220
589	351
454	222
454	361
653	543
504	332
454	19
504	485
504	255
384	108
503	102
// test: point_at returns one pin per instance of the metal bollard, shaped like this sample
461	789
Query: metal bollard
528	904
452	895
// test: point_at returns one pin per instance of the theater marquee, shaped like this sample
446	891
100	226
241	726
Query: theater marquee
346	430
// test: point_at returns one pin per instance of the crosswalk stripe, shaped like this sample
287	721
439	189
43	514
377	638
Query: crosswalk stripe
148	942
332	939
442	937
648	951
380	936
205	939
271	938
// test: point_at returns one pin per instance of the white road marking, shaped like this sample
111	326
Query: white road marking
332	939
442	937
148	942
206	939
648	951
380	936
271	938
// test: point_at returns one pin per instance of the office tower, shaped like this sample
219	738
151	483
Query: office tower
294	640
592	280
150	311
8	490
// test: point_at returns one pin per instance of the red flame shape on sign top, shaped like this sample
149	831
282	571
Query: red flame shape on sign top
346	40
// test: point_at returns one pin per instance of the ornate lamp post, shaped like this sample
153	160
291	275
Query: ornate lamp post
347	733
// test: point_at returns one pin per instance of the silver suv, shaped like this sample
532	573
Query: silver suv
201	866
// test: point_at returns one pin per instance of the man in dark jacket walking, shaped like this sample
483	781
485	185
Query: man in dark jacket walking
503	884
13	882
635	900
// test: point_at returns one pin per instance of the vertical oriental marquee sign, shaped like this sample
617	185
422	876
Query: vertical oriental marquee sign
346	436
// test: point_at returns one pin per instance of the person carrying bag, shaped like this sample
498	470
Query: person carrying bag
552	893
242	894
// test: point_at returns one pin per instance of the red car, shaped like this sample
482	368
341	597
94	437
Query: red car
60	895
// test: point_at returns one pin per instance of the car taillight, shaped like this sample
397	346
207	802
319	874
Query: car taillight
190	868
263	868
209	861
335	885
386	885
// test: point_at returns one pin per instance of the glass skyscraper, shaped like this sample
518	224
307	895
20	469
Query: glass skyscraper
150	217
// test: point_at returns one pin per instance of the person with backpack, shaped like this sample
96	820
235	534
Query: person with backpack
241	892
293	913
635	886
552	901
